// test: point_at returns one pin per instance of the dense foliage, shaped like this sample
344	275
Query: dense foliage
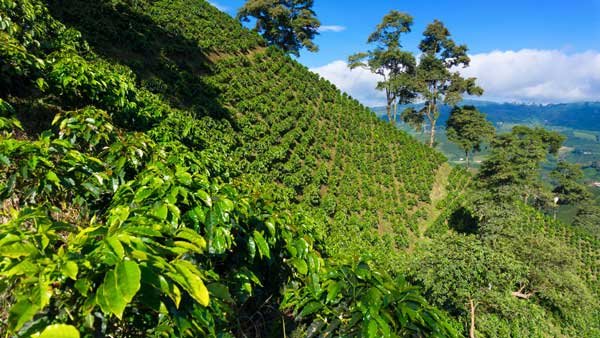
289	25
145	194
162	173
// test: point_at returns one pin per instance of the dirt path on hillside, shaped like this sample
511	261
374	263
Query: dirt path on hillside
439	191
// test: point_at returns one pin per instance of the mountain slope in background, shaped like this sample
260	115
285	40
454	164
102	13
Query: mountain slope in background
581	115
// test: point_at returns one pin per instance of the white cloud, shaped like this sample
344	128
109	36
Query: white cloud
219	6
332	28
360	83
540	76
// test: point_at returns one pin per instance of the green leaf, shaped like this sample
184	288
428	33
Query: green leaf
310	308
118	215
119	287
226	205
59	331
17	250
332	291
70	270
220	291
192	237
271	227
160	211
192	282
372	329
21	313
128	277
116	247
4	160
261	243
251	247
300	265
52	177
41	84
142	194
204	197
313	262
22	268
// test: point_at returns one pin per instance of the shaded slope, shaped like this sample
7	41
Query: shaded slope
319	148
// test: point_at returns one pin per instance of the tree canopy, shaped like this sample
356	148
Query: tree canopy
395	66
468	128
437	80
289	24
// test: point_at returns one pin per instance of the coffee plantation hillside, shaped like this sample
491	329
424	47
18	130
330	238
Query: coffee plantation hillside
164	173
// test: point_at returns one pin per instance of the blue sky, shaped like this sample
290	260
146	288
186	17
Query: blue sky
527	35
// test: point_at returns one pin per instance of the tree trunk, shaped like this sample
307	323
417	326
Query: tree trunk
520	294
432	136
388	108
467	156
395	112
472	326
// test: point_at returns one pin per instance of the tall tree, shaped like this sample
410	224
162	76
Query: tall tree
395	66
438	81
288	24
568	187
512	168
468	128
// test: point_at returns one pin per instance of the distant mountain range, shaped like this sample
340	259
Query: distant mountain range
581	115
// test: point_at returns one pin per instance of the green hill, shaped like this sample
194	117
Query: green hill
164	173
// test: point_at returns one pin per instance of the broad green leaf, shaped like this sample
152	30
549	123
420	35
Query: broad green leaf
17	250
25	267
204	197
128	277
187	246
300	265
160	211
52	177
43	292
311	308
220	291
116	247
142	194
271	227
9	238
119	287
261	243
21	313
174	294
143	231
58	331
372	329
118	215
313	262
70	270
193	284
226	205
332	291
192	237
251	247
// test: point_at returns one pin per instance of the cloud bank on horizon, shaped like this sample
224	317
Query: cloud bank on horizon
527	75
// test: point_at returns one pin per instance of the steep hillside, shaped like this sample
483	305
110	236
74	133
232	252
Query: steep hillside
313	144
126	124
164	173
